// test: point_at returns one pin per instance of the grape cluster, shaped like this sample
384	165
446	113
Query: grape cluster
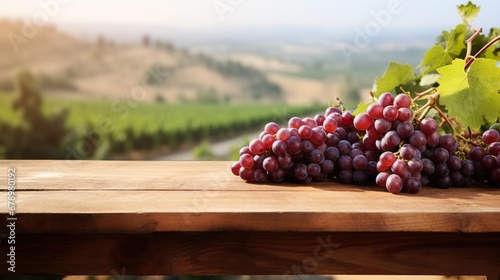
385	145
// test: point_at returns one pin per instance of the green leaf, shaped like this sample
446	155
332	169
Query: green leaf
469	96
449	46
468	12
493	51
429	80
395	75
362	106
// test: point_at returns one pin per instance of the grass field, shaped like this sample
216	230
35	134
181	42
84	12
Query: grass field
124	125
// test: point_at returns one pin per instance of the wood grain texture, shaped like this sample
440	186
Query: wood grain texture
216	253
118	196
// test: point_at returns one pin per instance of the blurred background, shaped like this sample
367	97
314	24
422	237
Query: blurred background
193	79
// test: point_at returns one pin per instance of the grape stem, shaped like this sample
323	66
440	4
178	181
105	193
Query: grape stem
468	42
423	93
470	58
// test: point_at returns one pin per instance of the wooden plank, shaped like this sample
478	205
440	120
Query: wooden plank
217	253
133	211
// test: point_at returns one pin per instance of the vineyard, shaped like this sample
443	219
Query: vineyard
100	128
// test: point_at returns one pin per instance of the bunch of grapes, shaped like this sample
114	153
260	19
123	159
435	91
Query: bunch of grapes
385	145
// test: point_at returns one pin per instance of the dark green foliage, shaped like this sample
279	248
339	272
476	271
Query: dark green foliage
39	136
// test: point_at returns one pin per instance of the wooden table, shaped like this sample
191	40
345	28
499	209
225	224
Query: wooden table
148	218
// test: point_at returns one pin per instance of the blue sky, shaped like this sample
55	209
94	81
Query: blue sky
424	14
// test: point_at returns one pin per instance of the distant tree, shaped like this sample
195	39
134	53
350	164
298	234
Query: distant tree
40	136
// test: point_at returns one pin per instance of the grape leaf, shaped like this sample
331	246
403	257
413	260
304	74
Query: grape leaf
428	80
362	106
449	46
395	75
469	96
468	12
493	51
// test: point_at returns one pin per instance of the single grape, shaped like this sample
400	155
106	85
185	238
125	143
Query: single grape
428	126
490	136
295	122
235	168
381	167
246	174
407	152
268	140
428	167
305	132
293	145
270	164
393	139
399	167
330	125
440	155
467	168
433	139
352	137
386	99
345	176
344	147
245	150
372	132
313	169
375	111
332	139
331	110
319	119
347	118
310	122
442	170
259	175
454	163
258	160
322	147
390	113
283	134
341	132
412	185
477	154
382	125
332	153
370	155
415	165
402	101
319	136
381	179
316	156
418	140
278	175
457	179
285	161
355	152
246	161
337	117
387	158
444	182
489	162
300	171
405	114
345	162
271	128
394	184
405	129
294	132
362	121
448	142
327	166
307	146
360	162
480	172
494	149
279	148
